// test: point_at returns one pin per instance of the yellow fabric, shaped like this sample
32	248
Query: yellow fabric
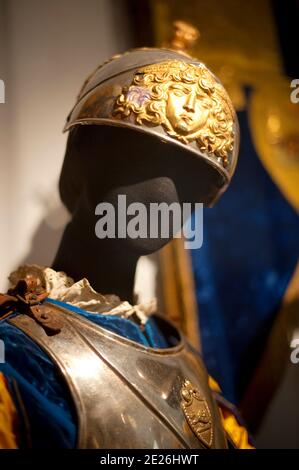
213	385
237	433
8	416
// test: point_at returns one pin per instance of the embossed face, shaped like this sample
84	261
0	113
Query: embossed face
186	101
187	110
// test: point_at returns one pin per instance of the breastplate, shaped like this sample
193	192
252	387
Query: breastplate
127	395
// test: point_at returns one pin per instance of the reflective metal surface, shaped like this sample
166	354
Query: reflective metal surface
171	97
127	395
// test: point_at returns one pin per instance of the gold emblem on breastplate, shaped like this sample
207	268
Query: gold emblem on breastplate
197	413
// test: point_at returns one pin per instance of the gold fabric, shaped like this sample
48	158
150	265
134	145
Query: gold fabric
8	417
237	433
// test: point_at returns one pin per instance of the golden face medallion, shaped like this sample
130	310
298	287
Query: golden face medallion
186	100
186	110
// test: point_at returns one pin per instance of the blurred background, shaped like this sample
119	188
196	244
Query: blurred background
236	297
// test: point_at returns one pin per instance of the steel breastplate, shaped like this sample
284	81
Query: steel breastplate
127	395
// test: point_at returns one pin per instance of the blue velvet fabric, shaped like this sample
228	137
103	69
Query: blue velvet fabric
249	254
43	392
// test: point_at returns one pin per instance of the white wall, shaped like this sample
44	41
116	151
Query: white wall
5	222
47	48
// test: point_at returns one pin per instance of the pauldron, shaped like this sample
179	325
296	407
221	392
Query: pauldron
127	395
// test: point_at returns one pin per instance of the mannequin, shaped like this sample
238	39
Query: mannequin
98	374
135	165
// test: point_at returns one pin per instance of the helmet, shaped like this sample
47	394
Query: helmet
170	96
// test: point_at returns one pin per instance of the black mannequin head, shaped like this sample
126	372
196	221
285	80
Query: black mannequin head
103	162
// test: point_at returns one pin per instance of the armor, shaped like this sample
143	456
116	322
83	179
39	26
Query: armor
127	395
172	98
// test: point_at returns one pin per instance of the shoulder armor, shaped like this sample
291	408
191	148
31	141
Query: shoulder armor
127	395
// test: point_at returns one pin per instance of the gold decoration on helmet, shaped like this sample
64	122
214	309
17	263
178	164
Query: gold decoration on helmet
186	100
185	35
